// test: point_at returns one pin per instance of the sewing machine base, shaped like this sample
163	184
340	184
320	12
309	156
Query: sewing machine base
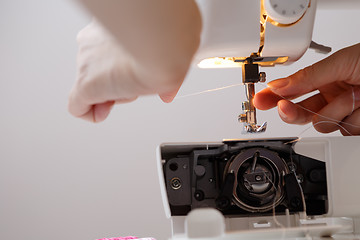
210	224
194	176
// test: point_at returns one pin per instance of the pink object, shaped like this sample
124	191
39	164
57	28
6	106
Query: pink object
119	238
126	238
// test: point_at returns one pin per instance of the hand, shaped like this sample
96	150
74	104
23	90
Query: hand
107	74
335	106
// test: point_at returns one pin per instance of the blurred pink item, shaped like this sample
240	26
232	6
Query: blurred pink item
119	238
126	238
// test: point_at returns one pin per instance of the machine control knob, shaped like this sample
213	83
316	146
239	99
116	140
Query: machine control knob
199	171
286	11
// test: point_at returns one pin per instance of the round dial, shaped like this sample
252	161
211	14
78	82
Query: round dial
286	11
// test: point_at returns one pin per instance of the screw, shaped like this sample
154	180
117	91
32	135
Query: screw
258	178
222	202
199	195
175	183
262	77
242	118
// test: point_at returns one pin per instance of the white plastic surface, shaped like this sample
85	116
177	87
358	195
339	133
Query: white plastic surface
205	223
286	11
338	5
342	158
162	182
291	41
231	28
208	224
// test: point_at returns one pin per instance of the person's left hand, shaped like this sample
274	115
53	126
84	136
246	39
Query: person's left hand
108	74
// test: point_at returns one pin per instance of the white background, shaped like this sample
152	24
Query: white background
63	178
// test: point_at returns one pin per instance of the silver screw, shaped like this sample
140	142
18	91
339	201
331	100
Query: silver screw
262	77
242	118
175	183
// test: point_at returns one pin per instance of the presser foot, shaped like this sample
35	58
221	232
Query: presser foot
253	128
248	117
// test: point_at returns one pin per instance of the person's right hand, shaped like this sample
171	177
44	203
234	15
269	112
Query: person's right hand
335	106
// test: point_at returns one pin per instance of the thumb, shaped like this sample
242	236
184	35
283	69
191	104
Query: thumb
102	110
340	66
169	96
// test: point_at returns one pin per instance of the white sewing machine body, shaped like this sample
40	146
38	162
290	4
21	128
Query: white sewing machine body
233	29
313	194
250	34
190	182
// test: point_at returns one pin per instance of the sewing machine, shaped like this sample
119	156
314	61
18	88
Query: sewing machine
285	188
250	34
261	188
265	188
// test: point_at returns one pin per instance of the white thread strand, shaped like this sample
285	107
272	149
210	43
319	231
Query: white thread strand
318	123
320	115
330	120
353	98
274	204
278	224
210	90
335	121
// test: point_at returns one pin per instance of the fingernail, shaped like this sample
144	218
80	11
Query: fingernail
281	113
278	83
357	94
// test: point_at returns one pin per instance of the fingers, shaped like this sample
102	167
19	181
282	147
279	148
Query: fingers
94	113
101	111
326	117
337	111
302	112
299	113
78	107
108	74
341	113
341	66
125	100
351	124
266	99
290	113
